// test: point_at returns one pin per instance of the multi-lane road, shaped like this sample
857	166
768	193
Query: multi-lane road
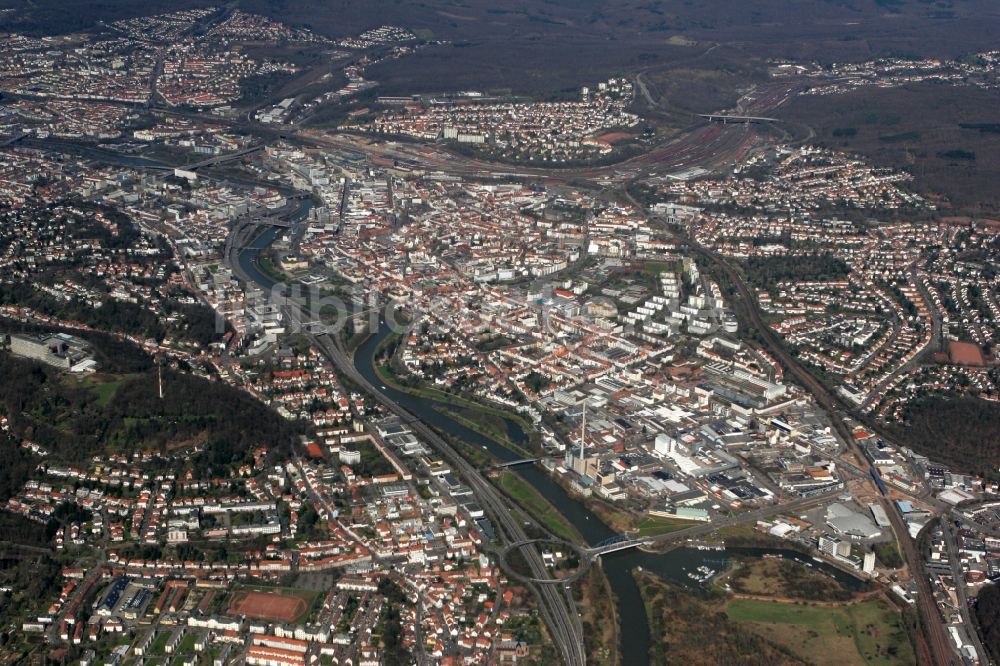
703	145
557	604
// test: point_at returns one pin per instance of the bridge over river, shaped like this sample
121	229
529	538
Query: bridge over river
589	554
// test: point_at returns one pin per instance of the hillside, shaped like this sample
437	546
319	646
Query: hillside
529	45
76	418
960	432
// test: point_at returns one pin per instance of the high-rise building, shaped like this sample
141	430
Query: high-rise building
869	564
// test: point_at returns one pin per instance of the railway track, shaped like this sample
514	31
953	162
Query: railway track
747	310
558	605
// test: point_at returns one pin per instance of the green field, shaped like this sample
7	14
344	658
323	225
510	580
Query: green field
373	463
268	268
693	628
102	386
159	644
656	267
869	632
539	508
187	644
649	526
485	422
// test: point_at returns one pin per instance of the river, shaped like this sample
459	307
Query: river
633	625
634	638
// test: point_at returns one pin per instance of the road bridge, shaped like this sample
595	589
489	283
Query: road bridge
275	217
316	327
589	554
614	544
542	577
513	463
746	120
267	221
586	555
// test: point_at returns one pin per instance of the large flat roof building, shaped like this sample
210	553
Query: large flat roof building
59	350
846	521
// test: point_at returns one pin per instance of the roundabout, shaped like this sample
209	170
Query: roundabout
582	555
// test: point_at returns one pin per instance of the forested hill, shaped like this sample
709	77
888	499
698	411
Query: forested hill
186	321
963	433
74	419
988	615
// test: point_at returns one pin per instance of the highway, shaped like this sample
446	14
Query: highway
559	609
715	117
219	159
707	145
556	602
557	605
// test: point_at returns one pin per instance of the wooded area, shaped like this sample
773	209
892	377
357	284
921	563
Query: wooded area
195	322
988	616
75	419
766	272
961	432
697	631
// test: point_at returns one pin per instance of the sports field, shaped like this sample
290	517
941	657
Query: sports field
275	606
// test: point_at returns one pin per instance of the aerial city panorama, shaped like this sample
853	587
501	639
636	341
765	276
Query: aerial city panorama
536	332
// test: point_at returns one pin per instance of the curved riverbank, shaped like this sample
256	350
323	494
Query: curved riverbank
633	630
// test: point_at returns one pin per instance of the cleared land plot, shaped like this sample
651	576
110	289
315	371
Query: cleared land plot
965	353
103	387
863	633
